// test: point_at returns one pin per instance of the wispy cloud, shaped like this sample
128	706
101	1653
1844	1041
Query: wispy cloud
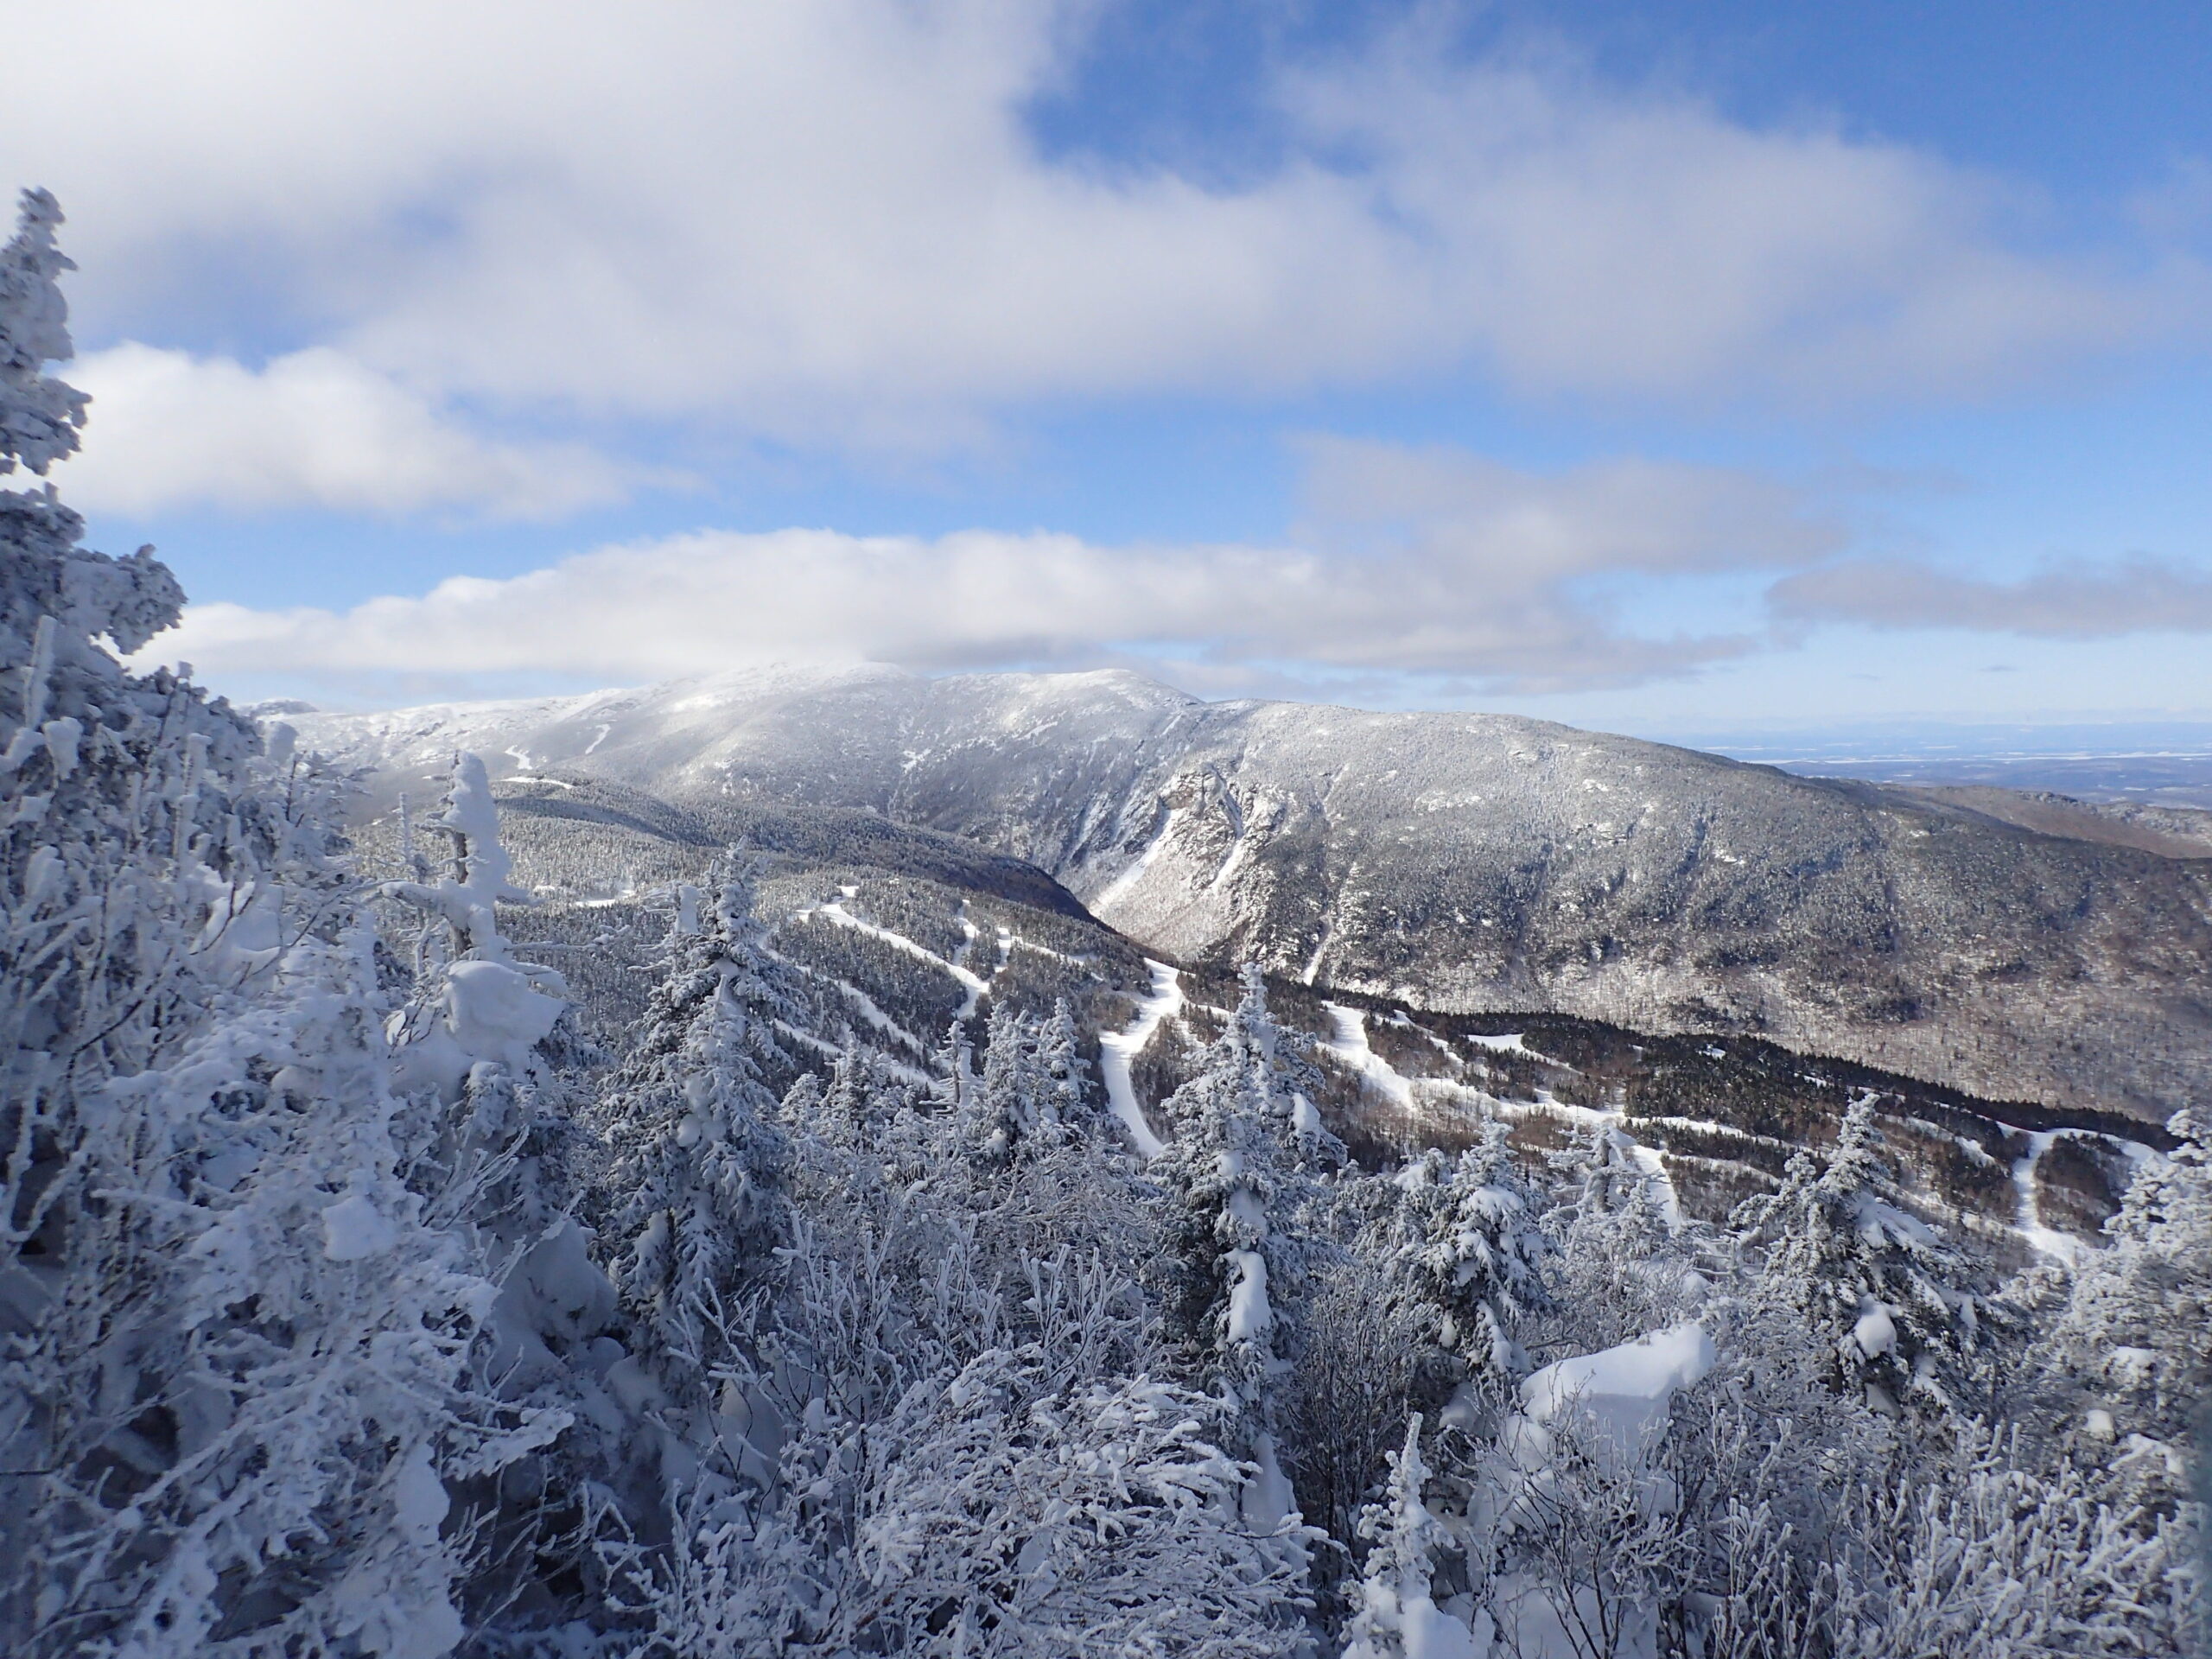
2076	601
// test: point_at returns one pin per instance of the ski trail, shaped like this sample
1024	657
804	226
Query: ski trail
861	1001
1350	1046
1312	967
1116	1049
836	911
2048	1240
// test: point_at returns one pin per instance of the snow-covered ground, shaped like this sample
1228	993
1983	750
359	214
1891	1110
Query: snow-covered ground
1118	1048
1350	1046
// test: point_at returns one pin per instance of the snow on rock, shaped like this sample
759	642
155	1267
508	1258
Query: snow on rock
1623	1391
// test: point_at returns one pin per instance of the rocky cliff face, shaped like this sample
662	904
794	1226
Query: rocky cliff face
1460	861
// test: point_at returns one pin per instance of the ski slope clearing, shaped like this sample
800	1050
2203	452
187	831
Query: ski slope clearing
1349	1044
1116	1049
835	910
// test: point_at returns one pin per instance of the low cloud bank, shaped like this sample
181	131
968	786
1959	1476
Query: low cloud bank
1422	562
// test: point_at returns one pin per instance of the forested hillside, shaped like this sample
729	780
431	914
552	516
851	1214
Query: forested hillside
1460	863
566	1221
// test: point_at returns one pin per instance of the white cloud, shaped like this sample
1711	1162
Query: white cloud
828	220
313	428
1515	530
1489	593
2065	600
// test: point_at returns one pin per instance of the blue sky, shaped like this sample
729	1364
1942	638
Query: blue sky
1673	368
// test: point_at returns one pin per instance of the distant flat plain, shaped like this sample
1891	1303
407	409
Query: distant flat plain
2152	764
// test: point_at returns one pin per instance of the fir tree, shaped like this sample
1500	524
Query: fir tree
1394	1614
696	1160
1875	1281
2129	1352
243	1313
1069	1102
1236	1256
1465	1249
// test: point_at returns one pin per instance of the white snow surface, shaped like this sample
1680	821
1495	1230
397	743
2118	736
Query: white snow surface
1116	1049
1250	1317
1876	1333
1266	1500
353	1228
495	1012
1625	1390
1428	1632
1423	1631
1349	1044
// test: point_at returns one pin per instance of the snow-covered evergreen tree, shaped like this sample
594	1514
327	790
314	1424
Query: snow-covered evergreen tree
1973	1551
39	415
1465	1249
1395	1611
1007	1106
1879	1283
990	1512
2129	1358
1236	1256
1620	1268
1230	1194
1069	1102
696	1159
241	1314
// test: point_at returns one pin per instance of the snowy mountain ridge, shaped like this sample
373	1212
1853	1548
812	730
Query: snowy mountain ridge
1454	862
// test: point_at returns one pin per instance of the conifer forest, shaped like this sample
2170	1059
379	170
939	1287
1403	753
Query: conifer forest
496	1222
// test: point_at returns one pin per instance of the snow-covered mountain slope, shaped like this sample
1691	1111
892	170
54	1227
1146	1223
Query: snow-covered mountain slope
887	935
1455	861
